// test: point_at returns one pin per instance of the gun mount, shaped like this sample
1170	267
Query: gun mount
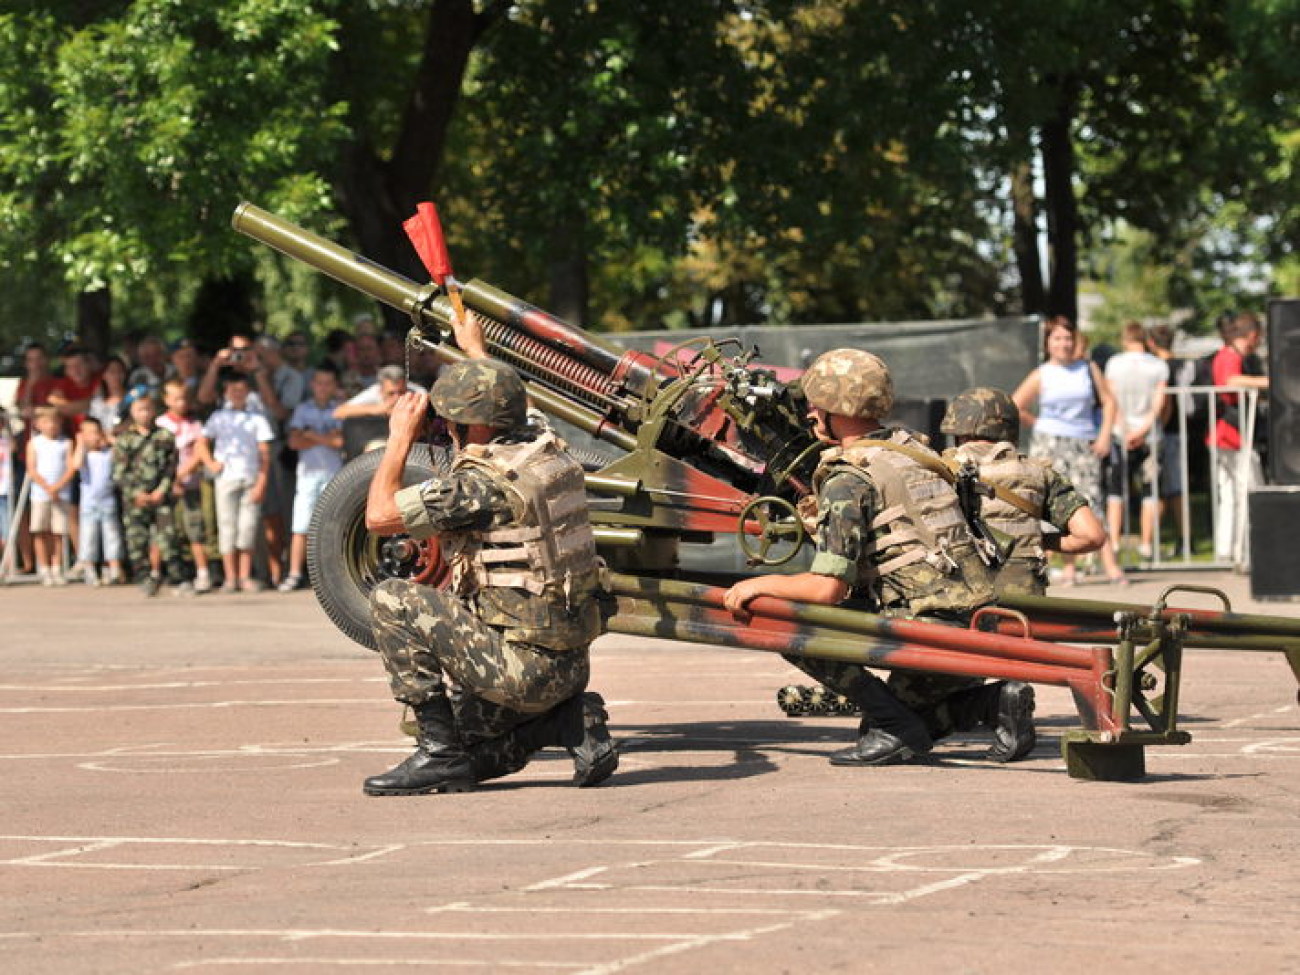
710	444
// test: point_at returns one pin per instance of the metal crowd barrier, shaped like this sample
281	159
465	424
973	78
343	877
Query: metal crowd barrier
1246	477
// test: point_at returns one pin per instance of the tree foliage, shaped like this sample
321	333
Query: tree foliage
128	140
652	162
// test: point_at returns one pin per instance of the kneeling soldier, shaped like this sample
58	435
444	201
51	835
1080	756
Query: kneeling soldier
495	667
986	426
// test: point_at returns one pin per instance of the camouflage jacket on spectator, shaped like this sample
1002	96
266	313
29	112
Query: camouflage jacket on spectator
144	462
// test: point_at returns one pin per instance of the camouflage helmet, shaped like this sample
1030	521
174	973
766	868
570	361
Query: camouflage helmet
984	413
481	391
850	382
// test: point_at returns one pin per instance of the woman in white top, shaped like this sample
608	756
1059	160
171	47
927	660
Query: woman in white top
1072	428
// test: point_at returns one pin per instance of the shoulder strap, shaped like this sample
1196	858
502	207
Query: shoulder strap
948	471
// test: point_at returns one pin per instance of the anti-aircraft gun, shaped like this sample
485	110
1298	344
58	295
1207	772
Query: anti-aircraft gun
709	444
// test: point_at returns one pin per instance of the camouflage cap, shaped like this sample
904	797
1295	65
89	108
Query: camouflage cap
481	391
982	412
850	382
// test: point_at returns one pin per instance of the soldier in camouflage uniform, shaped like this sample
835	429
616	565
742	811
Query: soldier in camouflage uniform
889	529
985	423
144	468
495	667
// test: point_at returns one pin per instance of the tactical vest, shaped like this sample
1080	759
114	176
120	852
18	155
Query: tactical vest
1002	465
548	551
921	553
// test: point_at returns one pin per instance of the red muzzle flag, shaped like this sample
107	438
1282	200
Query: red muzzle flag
425	232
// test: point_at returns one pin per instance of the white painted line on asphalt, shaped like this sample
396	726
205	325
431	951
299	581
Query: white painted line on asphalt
748	934
297	962
569	879
178	685
468	908
202	705
1237	722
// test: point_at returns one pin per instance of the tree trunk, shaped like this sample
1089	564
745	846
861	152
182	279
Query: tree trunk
222	307
95	320
377	195
1033	300
569	284
1057	150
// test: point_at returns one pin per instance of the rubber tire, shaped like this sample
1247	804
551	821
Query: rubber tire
342	556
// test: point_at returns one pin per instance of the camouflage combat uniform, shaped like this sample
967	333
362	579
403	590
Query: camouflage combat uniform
986	422
503	647
908	556
1034	480
147	462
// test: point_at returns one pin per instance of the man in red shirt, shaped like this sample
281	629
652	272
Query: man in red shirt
77	387
1235	473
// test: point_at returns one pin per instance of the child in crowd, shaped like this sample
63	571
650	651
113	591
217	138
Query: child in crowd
318	437
188	491
7	487
144	468
100	525
49	455
238	452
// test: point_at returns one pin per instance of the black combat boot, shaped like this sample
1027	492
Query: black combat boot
576	724
890	733
1006	707
439	763
1014	736
594	754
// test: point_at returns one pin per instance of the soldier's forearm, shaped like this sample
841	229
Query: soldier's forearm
382	514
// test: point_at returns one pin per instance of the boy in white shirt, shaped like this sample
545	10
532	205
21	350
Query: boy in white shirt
239	454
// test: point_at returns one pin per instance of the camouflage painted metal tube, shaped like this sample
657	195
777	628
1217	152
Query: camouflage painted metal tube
670	609
934	635
1202	621
1088	631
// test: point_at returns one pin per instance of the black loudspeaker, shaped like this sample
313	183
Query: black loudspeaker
920	416
1274	554
1284	391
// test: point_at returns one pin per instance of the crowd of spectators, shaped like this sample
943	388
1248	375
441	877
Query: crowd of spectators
1108	421
178	465
249	434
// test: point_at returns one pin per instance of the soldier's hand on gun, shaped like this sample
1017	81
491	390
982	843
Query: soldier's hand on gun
469	335
408	416
736	598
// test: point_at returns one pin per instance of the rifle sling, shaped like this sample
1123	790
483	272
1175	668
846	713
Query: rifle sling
948	472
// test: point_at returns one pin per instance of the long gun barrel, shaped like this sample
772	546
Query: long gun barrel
737	423
546	349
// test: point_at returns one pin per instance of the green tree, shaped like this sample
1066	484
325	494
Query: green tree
129	138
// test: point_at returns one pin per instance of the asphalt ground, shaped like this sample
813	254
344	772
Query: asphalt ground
180	787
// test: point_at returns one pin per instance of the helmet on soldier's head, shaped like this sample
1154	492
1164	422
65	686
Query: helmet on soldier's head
850	382
984	413
481	391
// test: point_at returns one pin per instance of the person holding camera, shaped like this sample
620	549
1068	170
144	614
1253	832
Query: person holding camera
238	452
241	356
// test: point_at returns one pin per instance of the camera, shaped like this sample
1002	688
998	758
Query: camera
237	356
